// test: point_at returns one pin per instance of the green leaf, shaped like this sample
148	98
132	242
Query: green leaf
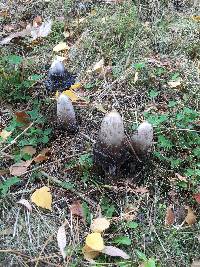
67	185
132	225
141	255
86	212
122	240
153	93
14	59
150	263
5	185
138	66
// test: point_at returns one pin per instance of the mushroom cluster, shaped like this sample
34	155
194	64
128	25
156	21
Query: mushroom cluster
112	149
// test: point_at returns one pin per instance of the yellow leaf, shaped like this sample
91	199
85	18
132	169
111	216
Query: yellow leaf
75	86
196	18
174	84
42	198
5	134
95	241
71	95
99	225
61	46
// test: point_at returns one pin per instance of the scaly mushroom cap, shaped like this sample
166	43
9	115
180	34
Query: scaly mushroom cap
142	140
66	114
112	130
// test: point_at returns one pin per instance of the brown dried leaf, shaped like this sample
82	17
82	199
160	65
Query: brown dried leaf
77	209
43	155
89	254
191	217
170	217
22	117
30	150
20	168
25	203
197	197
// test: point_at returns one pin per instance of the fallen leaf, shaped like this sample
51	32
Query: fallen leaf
43	155
99	225
25	203
60	47
99	107
72	95
197	197
20	168
95	241
35	32
62	241
136	76
22	117
174	84
196	18
99	66
37	21
181	178
42	198
5	134
77	209
115	252
89	254
169	217
130	212
75	86
191	217
30	150
42	31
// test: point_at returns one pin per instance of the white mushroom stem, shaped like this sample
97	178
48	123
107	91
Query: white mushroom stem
142	140
65	113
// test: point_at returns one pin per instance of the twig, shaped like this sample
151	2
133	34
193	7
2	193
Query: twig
59	182
17	137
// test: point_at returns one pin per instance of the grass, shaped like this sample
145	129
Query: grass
158	43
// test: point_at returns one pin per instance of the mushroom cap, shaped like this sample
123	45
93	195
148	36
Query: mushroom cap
112	129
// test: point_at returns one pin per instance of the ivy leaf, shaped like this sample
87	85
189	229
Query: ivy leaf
5	186
122	240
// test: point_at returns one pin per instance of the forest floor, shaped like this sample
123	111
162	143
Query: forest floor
142	60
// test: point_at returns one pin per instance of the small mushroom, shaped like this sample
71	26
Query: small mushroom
58	77
65	114
142	140
109	151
